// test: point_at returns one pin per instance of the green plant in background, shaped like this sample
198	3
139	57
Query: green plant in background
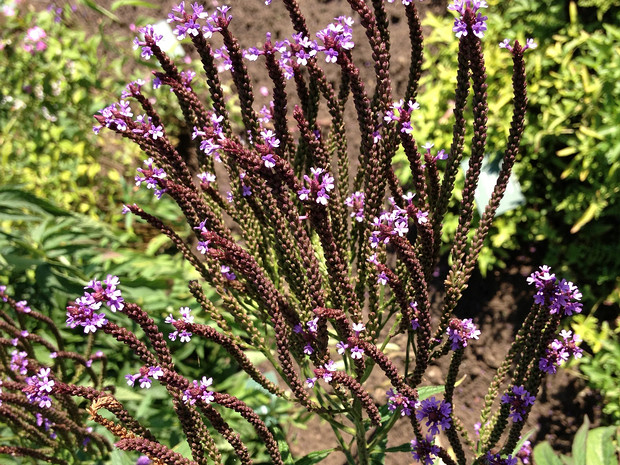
569	165
52	76
597	446
601	363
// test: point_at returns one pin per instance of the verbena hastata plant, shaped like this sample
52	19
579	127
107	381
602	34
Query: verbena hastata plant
318	261
34	364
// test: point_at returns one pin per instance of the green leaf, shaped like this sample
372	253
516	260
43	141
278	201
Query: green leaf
524	438
285	451
314	457
599	447
544	455
579	442
406	447
121	3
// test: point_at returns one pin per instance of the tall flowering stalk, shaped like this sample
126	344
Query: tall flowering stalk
315	251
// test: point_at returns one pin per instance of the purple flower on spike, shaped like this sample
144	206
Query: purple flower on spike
39	387
199	391
496	459
519	400
356	202
320	183
437	414
397	400
336	37
19	362
22	306
559	296
425	451
460	331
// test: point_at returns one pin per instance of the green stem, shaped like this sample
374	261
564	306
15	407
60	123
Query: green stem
362	449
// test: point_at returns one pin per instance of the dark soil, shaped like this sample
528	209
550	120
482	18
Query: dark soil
498	303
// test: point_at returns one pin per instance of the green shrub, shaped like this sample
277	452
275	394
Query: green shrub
601	363
52	77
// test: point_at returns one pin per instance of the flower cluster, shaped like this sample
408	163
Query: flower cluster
83	312
460	25
39	387
460	331
336	37
144	376
389	224
186	317
437	413
35	40
396	400
151	176
356	202
559	351
19	362
320	183
496	459
199	390
519	401
559	296
425	451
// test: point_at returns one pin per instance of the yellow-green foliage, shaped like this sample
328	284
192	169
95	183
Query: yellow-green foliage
570	159
48	99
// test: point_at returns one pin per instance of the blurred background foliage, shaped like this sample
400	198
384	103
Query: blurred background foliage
568	168
61	187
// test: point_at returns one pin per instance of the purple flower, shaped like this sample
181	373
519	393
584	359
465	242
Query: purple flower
396	400
335	37
83	313
496	459
199	391
328	369
459	331
357	353
186	317
22	306
437	414
460	26
356	202
144	376
19	362
559	296
415	323
358	328
559	352
270	162
320	184
313	325
394	223
151	177
143	460
525	453
424	451
341	347
39	387
308	350
519	401
383	278
225	270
